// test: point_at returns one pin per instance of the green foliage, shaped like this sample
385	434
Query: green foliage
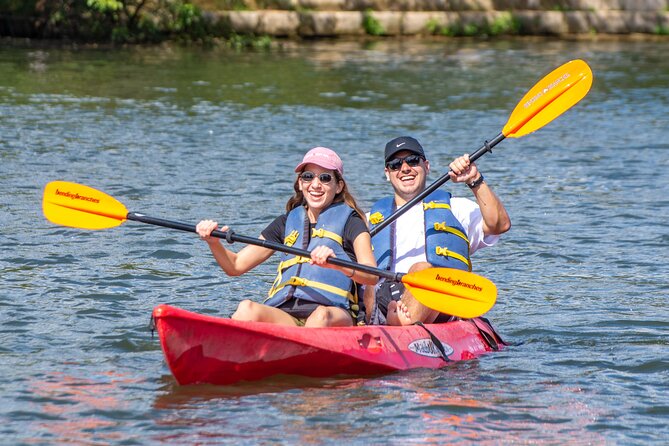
470	30
185	22
432	26
115	21
105	5
371	25
662	30
505	23
243	42
226	5
17	7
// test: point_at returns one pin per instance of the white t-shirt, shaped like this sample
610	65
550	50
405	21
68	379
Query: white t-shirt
410	245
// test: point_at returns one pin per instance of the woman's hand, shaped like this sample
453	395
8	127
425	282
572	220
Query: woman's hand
320	255
204	229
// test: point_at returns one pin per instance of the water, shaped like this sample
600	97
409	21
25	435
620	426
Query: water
189	134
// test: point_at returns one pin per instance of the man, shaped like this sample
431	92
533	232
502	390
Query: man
442	232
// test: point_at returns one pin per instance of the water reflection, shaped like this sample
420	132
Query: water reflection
443	74
85	410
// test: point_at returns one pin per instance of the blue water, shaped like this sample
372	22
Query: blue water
186	134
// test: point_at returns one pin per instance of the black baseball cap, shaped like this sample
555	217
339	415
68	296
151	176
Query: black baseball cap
403	143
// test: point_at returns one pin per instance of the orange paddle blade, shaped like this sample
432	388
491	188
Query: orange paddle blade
549	98
451	291
79	206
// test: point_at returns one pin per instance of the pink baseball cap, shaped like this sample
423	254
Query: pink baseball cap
323	157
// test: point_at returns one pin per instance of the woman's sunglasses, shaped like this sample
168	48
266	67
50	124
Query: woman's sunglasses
308	177
411	160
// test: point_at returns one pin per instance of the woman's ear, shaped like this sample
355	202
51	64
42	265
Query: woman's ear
340	186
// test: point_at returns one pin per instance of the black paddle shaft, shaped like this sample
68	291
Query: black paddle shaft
231	237
487	147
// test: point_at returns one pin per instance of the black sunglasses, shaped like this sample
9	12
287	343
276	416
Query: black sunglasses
411	160
308	177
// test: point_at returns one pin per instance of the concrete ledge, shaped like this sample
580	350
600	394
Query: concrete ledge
454	5
331	24
397	23
273	23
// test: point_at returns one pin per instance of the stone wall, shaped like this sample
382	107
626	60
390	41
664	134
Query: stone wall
331	18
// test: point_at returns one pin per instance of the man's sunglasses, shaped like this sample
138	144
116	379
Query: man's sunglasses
411	160
308	177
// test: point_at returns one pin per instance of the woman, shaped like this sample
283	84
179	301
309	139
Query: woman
323	218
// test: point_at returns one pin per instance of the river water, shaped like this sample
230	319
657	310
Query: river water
186	134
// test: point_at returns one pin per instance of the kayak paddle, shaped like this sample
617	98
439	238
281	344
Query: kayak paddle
549	98
459	293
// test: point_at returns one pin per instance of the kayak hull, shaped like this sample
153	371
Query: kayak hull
214	350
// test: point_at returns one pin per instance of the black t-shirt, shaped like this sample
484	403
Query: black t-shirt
355	225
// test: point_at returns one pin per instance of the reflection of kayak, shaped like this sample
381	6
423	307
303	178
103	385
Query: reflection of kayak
214	350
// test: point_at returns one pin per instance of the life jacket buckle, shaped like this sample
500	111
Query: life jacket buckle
291	238
297	281
376	218
442	251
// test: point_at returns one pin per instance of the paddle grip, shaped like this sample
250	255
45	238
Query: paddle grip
487	147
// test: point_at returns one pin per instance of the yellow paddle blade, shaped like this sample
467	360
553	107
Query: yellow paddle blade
79	206
549	98
452	291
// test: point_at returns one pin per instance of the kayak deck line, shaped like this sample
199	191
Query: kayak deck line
207	349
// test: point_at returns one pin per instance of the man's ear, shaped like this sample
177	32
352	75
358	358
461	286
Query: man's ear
427	167
387	174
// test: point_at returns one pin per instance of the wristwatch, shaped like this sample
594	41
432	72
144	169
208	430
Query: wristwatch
475	183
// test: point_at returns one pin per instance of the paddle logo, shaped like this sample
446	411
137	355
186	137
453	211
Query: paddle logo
458	282
533	99
425	347
77	196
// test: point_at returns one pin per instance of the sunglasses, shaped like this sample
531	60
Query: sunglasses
308	177
411	160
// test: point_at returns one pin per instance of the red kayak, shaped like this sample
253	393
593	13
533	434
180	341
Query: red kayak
215	350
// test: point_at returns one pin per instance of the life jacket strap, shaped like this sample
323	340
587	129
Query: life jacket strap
300	281
282	267
293	261
323	233
445	228
452	254
435	205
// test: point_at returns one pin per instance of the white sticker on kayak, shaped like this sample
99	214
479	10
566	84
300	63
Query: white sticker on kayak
425	347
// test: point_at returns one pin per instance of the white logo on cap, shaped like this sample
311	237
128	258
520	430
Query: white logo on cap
400	144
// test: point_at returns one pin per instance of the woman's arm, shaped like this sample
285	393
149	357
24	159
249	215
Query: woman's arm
234	264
